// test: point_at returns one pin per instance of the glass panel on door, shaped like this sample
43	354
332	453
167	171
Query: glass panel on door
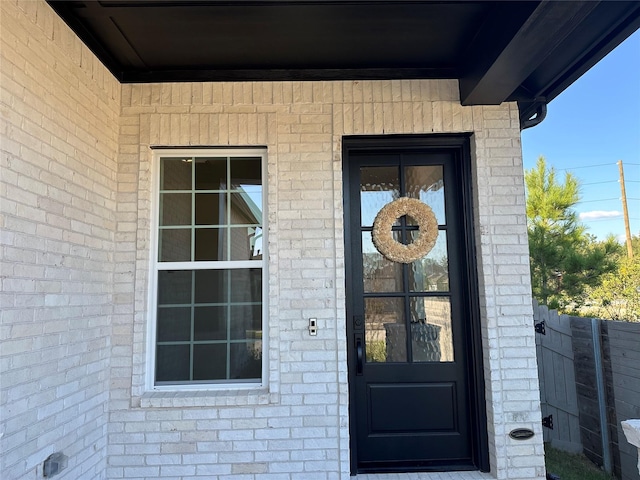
378	186
426	183
425	317
431	337
385	330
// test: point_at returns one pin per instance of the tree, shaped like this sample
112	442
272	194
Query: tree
565	261
618	295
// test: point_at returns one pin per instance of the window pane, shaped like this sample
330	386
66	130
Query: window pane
255	244
210	244
211	173
246	170
246	321
210	209
246	243
379	274
175	173
379	186
427	184
174	287
252	195
175	209
172	363
244	211
210	362
385	330
431	334
246	361
210	323
175	245
246	285
174	324
211	286
431	273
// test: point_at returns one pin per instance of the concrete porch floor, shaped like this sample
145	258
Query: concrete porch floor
475	475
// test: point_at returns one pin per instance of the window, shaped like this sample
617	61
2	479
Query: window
209	268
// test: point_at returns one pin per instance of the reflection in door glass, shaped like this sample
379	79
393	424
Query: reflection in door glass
378	186
431	272
427	184
385	330
379	274
431	337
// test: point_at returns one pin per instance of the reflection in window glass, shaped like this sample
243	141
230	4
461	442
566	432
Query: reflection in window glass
209	319
245	321
244	210
426	183
431	335
245	359
207	205
385	330
431	272
379	274
379	186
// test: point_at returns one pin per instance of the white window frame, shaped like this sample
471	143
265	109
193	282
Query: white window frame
158	153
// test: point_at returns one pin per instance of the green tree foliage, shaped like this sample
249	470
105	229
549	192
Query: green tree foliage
565	261
618	295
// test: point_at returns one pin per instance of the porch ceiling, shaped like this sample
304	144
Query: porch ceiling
525	51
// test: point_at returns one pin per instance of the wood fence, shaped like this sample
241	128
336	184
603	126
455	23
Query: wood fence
589	372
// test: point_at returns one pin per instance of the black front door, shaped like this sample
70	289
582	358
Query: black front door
414	348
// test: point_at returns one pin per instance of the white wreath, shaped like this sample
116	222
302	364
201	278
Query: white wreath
382	234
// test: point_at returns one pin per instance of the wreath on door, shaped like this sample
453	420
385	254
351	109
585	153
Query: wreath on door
382	233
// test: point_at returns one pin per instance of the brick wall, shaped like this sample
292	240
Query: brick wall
77	203
297	428
60	110
505	287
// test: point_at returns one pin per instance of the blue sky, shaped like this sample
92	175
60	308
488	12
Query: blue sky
589	127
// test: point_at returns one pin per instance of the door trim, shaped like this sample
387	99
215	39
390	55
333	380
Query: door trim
460	146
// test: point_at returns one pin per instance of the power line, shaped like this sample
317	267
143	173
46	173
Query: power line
598	165
604	200
591	166
598	183
599	200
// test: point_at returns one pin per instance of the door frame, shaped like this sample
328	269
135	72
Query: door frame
460	146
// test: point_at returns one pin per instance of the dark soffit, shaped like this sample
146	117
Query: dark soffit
528	51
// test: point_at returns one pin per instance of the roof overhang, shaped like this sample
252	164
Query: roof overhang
524	51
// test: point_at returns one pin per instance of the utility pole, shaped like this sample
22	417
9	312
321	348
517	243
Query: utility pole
625	211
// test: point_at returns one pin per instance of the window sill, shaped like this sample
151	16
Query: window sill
209	398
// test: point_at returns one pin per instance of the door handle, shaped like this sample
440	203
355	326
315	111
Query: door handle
359	356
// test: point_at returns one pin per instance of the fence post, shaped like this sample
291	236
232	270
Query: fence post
602	407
